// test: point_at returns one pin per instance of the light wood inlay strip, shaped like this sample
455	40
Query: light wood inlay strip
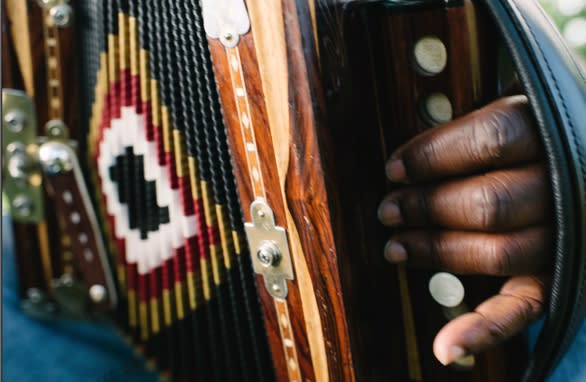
17	12
271	54
248	138
253	162
43	234
53	57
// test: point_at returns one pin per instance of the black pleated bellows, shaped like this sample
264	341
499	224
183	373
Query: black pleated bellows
223	337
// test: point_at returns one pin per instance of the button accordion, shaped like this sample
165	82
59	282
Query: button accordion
206	174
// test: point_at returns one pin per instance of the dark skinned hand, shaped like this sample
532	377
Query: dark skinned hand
476	200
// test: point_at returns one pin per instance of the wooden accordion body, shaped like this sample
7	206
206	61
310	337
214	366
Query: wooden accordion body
198	117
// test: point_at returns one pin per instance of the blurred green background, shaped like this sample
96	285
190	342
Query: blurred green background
570	17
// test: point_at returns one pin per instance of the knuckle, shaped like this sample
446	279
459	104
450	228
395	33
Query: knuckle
497	331
423	158
500	256
416	207
489	138
495	132
424	207
492	203
528	309
435	248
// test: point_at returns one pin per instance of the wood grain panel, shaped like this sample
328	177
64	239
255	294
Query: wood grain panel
272	57
285	128
324	126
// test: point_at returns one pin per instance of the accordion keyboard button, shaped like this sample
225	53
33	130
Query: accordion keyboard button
446	289
430	55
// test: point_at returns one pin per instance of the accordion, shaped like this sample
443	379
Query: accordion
206	173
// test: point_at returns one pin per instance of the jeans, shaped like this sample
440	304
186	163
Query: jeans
64	351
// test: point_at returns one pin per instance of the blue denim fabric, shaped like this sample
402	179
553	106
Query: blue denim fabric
572	368
33	350
58	351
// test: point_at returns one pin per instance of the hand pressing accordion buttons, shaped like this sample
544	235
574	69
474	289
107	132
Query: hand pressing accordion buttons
475	199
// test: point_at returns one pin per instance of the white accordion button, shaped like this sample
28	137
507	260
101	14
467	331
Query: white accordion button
446	289
438	108
430	55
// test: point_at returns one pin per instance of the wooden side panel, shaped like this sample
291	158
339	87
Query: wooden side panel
33	53
279	70
330	90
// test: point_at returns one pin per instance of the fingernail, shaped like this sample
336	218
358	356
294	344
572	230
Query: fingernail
453	354
396	170
395	252
389	212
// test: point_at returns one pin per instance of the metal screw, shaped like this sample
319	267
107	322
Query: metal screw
268	254
55	158
23	205
15	121
19	165
67	280
276	288
34	295
97	293
15	147
61	15
261	214
228	36
56	128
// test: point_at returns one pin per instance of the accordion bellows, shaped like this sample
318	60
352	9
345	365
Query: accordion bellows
159	158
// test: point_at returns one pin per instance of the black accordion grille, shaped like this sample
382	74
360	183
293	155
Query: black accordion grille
159	159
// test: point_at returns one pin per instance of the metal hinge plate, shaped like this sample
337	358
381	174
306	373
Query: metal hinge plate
269	249
22	172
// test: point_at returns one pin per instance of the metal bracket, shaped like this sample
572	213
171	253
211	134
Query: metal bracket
33	163
226	20
60	12
22	173
59	160
269	249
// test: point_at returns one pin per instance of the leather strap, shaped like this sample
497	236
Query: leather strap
556	89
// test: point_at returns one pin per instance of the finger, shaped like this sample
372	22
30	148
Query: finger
497	135
520	302
522	252
496	201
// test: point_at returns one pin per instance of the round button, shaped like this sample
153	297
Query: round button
98	293
438	108
446	289
430	55
61	15
268	254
